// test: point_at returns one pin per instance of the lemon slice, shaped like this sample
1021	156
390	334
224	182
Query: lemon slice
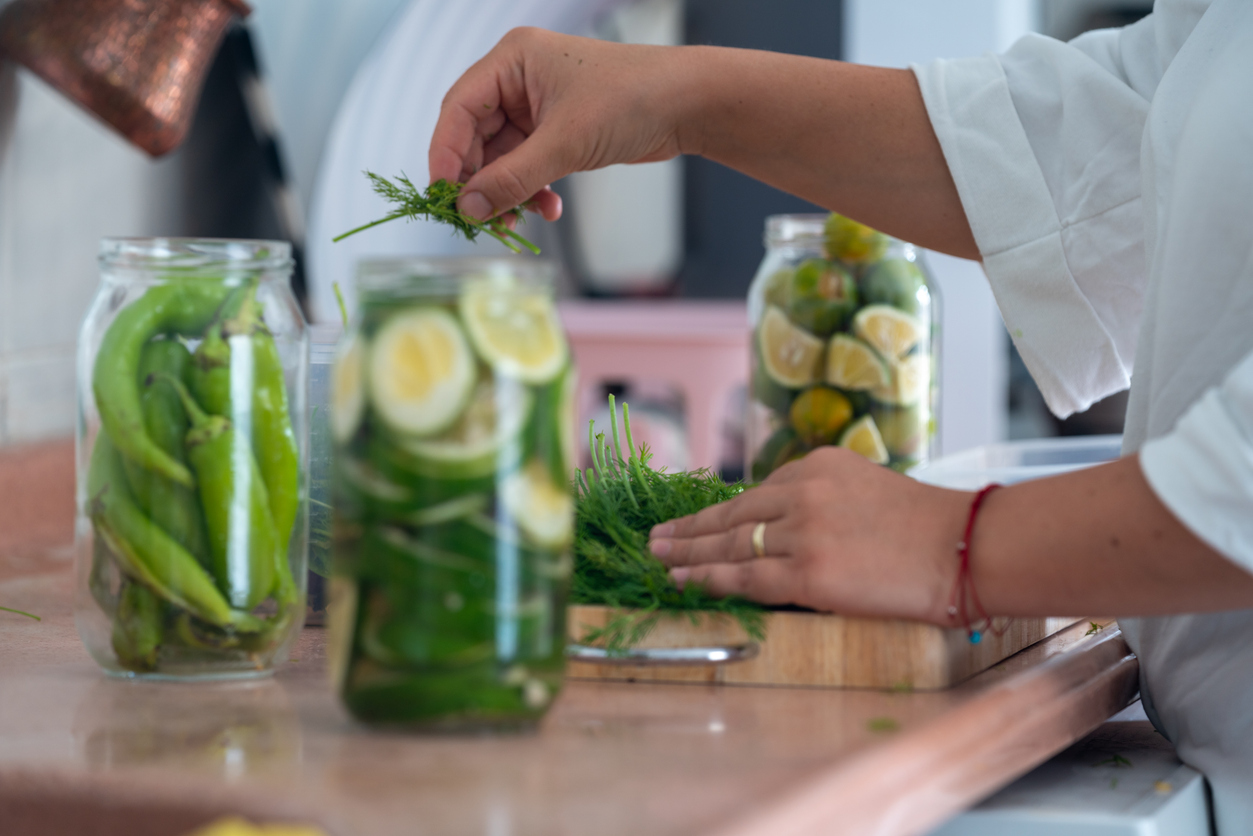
890	331
863	439
544	510
347	390
854	365
789	354
421	371
910	380
486	430
514	330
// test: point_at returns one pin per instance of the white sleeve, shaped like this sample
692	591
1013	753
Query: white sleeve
1044	146
1203	471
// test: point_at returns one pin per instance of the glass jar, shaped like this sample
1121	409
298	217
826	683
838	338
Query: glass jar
452	413
844	320
192	459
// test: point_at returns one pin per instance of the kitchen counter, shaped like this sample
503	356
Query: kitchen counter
84	753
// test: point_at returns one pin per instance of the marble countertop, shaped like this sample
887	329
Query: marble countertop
139	758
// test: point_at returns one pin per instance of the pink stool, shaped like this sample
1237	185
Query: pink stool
700	348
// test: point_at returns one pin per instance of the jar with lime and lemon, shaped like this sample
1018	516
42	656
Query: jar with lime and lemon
844	319
452	413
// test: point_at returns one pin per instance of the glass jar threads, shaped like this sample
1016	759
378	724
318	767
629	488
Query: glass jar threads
452	410
843	321
192	446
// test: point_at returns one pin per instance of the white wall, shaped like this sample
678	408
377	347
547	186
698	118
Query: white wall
65	182
897	33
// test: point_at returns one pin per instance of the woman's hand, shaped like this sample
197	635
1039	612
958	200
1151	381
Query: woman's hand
842	534
541	105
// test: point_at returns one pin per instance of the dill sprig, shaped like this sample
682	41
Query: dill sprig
439	203
21	612
619	501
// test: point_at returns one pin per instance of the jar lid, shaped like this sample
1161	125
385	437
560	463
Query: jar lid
194	254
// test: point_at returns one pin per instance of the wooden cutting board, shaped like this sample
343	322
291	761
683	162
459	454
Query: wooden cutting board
818	650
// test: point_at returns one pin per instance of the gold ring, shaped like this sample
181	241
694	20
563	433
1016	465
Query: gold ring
759	539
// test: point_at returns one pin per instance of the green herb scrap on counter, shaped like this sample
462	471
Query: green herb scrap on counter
439	203
618	502
171	568
842	351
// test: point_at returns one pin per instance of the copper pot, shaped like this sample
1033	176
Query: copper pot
137	64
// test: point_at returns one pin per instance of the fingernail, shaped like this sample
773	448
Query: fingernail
662	530
679	575
660	548
475	205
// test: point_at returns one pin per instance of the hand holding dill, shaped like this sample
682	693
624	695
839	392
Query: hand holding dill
439	203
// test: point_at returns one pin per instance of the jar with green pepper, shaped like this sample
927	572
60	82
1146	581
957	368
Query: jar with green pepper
844	352
452	402
192	455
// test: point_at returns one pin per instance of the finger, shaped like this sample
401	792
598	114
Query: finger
767	502
734	545
546	203
768	581
517	176
501	142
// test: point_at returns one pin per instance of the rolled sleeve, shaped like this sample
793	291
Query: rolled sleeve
1043	145
1203	470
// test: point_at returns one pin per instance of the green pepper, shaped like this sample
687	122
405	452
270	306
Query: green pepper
144	552
170	505
137	627
184	306
243	544
240	345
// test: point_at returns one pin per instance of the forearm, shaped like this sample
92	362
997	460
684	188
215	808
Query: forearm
1096	541
851	138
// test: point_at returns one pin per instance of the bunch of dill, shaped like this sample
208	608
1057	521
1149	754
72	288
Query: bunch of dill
438	203
619	501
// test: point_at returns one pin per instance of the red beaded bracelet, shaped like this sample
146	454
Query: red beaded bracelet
964	594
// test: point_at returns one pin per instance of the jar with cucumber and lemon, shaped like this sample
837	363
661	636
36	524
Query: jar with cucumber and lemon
843	320
452	414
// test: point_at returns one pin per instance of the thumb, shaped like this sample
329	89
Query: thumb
514	178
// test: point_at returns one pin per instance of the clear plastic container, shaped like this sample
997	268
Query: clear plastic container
192	450
1018	461
452	409
844	320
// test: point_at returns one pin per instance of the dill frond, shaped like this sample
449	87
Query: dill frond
618	504
438	203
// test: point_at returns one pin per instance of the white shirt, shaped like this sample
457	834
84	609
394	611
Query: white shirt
1109	186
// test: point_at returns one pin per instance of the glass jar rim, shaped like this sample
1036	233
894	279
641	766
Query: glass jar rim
807	228
441	275
194	255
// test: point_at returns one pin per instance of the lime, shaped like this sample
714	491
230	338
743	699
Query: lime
790	355
850	241
863	439
909	384
514	330
484	438
778	289
782	447
823	296
765	390
421	371
903	429
891	332
895	282
347	390
818	414
543	509
852	364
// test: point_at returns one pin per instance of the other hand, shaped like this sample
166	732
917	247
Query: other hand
842	535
